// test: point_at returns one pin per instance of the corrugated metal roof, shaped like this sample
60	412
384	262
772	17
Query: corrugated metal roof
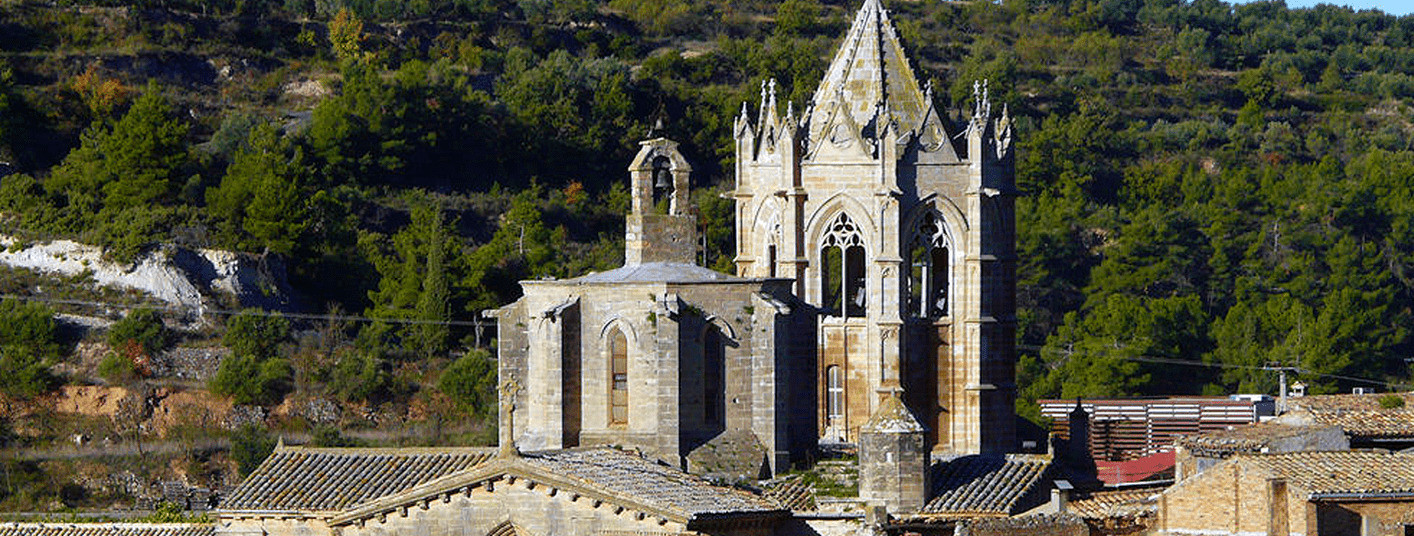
107	529
331	479
986	485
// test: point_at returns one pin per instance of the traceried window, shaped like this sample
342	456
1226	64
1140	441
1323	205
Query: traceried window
618	379
842	269
834	396
928	251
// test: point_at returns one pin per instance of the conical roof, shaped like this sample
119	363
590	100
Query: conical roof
869	70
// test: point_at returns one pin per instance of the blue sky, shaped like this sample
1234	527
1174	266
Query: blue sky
1393	7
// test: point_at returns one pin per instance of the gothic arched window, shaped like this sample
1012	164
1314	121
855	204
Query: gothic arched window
928	251
842	269
618	378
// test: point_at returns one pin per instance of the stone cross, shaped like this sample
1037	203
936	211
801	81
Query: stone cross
508	390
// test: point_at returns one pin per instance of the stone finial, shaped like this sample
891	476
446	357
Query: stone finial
508	390
772	86
1002	132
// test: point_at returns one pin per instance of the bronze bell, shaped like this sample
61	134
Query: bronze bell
660	179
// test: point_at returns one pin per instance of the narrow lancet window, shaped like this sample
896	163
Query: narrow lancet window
843	270
618	379
928	279
834	396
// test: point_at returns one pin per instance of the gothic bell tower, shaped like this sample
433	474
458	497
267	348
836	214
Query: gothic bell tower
902	239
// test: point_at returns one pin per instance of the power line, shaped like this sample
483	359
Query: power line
1185	362
257	312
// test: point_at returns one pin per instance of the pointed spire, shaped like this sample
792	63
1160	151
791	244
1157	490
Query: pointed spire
743	122
869	68
770	117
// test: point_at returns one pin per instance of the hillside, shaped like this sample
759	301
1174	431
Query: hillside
1207	189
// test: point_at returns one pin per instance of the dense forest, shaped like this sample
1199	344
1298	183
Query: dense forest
1207	189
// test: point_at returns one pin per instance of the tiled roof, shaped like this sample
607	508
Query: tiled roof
792	494
986	485
1341	472
1252	438
1104	504
632	476
332	479
605	474
1359	415
106	529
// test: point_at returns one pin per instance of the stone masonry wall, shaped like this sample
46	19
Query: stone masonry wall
1229	498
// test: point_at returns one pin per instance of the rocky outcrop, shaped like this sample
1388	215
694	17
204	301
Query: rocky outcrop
181	277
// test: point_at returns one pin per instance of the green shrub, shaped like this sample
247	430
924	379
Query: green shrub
143	327
29	326
255	373
471	383
362	376
254	333
1391	401
250	445
117	368
248	379
28	342
23	373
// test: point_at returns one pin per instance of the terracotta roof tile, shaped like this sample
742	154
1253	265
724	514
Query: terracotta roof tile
986	485
332	479
1359	415
1341	472
106	529
629	475
1104	504
1252	438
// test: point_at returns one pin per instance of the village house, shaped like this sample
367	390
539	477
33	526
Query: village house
1310	493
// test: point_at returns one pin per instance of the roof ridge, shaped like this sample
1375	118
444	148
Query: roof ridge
374	451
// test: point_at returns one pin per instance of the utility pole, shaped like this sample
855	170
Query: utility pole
1281	378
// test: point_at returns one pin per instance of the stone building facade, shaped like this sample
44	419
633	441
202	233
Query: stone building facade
875	262
1309	493
661	354
901	240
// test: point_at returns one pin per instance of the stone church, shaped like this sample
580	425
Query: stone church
875	260
872	306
